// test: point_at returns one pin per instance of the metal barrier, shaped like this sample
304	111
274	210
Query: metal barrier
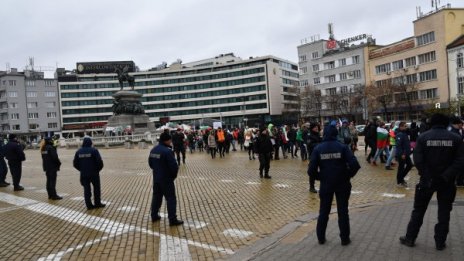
109	141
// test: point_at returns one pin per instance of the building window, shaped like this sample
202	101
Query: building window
330	78
12	82
427	57
383	68
461	85
50	104
411	61
343	89
302	58
343	76
329	65
33	115
315	55
317	80
15	127
52	125
303	70
51	114
49	83
428	94
14	116
460	60
397	65
33	126
316	68
303	83
30	83
357	74
31	94
342	62
355	59
53	94
426	38
31	105
13	105
411	78
428	75
12	94
331	91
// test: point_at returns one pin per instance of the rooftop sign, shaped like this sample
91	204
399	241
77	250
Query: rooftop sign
354	38
104	67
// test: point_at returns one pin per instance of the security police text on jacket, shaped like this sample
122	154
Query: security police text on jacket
337	165
163	164
50	160
87	159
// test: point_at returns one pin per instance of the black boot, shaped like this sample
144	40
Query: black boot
266	176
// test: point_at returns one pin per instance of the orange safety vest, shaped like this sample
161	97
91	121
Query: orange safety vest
221	137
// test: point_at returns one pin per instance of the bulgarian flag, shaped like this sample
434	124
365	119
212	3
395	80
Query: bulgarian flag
382	137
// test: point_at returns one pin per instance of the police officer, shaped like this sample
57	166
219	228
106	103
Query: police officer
264	149
165	168
15	155
334	164
89	163
456	127
438	156
3	166
51	165
179	145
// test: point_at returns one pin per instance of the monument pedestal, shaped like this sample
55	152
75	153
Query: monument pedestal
128	111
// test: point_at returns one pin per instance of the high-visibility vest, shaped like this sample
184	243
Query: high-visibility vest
221	137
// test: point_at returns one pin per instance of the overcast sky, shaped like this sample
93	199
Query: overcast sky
61	32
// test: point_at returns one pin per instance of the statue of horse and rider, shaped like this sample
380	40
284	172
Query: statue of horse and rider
123	76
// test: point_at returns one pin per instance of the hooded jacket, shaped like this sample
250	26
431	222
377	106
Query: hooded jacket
332	161
50	160
163	164
87	159
14	152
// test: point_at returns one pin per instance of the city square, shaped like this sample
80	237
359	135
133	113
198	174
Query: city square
230	212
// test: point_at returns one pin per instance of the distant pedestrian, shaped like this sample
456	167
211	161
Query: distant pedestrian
263	146
403	154
334	164
178	140
248	144
221	142
51	165
314	140
212	144
163	164
3	166
89	163
15	155
439	157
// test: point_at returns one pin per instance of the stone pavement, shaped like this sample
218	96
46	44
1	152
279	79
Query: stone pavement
375	232
227	207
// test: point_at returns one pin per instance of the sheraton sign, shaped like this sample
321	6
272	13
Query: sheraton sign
104	67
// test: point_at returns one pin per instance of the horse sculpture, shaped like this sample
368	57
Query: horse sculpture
123	76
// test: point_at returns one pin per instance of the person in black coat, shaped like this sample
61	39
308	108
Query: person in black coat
314	139
3	166
89	163
178	140
438	157
371	138
15	155
263	146
456	127
51	165
334	164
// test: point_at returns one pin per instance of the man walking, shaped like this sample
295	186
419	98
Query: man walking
89	163
334	164
15	155
165	168
439	157
51	165
264	149
178	140
403	153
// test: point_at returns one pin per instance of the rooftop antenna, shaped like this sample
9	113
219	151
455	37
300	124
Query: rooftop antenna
331	34
8	67
31	63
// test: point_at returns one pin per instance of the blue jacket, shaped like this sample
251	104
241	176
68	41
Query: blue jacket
87	159
335	161
403	145
14	152
163	164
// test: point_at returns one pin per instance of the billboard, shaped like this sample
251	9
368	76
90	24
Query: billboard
104	67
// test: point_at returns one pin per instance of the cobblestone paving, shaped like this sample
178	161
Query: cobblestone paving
226	206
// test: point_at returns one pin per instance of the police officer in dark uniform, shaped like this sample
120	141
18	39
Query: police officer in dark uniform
179	145
264	148
3	166
15	155
456	127
51	165
89	163
439	157
334	165
165	168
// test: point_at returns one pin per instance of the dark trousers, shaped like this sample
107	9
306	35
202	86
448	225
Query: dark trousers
168	191
15	170
213	152
342	195
264	163
312	181
459	179
373	146
304	151
3	170
221	149
446	193
276	151
404	166
179	151
86	182
51	183
251	153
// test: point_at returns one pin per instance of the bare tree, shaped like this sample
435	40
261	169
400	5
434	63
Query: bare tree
311	100
350	102
381	96
406	91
